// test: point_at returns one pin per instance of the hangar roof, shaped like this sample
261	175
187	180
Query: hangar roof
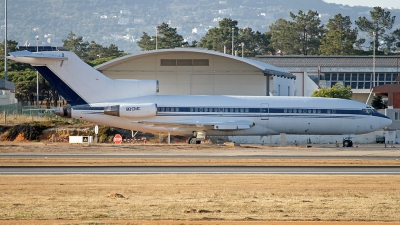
264	67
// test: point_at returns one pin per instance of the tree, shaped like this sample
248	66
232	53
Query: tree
377	102
337	91
255	43
76	44
339	37
146	43
167	38
284	37
220	38
300	36
380	23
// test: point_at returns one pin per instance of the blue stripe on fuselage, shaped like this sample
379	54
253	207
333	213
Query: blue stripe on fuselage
62	88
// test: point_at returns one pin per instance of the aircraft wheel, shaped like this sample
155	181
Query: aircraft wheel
347	143
192	141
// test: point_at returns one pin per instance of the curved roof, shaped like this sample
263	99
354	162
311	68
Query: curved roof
264	67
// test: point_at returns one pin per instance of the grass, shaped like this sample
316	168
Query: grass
201	197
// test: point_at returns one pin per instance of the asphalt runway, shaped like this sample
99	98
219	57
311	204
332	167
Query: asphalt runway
113	156
360	170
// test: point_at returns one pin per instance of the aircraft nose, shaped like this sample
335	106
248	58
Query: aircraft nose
384	120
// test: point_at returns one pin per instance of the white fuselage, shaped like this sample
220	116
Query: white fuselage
264	115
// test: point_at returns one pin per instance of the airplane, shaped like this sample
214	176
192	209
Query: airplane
135	105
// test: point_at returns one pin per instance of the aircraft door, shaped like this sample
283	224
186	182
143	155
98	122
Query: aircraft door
264	111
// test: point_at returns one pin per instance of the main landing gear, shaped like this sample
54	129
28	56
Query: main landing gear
347	143
194	141
197	137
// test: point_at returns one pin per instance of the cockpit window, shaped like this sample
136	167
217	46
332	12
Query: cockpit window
369	111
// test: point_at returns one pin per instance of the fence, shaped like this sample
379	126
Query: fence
22	113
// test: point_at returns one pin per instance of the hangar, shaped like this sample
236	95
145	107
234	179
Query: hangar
194	71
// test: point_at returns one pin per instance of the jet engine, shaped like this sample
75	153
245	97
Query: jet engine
132	110
64	111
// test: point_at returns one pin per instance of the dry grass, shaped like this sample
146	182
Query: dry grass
13	119
200	197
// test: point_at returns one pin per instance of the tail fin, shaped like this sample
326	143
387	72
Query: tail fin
80	83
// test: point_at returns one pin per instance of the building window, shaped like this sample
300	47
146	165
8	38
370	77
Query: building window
368	77
328	76
396	115
184	62
168	62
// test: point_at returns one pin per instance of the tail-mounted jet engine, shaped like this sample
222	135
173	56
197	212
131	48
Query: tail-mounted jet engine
64	111
132	110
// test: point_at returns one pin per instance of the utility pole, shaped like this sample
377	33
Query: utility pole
373	63
156	37
5	45
233	34
242	49
37	74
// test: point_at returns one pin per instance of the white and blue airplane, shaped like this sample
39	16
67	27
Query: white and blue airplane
135	105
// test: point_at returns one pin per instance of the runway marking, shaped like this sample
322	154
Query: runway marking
116	173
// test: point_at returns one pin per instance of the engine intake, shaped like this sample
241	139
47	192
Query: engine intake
132	110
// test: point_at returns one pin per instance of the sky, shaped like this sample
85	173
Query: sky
370	3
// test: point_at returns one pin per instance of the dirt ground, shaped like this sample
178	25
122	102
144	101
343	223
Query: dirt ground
197	198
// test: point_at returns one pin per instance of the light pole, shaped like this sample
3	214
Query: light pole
37	74
233	34
242	49
5	44
373	62
373	68
156	37
398	46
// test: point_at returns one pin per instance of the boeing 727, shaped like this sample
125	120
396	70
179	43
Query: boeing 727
135	105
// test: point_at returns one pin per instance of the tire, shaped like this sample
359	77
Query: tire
192	141
347	143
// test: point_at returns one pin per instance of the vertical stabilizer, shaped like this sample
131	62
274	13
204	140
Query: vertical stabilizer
80	83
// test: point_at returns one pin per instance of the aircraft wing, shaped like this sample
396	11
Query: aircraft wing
209	125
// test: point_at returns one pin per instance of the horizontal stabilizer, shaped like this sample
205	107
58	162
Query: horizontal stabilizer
39	55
